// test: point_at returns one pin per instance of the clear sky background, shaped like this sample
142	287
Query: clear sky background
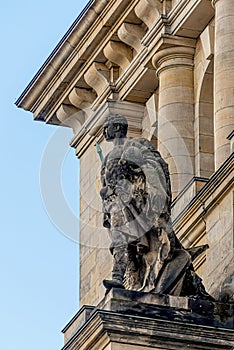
38	264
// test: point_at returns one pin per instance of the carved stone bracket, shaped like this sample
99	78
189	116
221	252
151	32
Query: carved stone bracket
118	53
149	11
98	77
131	34
82	99
71	116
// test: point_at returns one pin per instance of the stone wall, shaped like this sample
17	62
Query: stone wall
95	258
220	237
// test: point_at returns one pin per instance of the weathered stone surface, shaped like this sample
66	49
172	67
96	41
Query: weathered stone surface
136	197
168	307
136	320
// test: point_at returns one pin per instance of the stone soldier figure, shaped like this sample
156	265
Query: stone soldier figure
136	196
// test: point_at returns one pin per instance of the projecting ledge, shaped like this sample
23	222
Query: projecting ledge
136	320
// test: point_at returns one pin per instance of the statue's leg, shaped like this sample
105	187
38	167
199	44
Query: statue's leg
132	279
120	255
119	250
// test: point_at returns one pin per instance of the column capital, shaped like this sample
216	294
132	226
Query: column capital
174	56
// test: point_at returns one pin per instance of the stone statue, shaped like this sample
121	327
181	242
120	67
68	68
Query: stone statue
136	196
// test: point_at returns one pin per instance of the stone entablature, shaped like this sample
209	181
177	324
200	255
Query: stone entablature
108	53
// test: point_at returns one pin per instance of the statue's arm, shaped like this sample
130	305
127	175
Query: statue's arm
103	194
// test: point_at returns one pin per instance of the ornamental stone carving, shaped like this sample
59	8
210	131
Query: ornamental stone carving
131	34
118	53
71	116
149	11
82	99
98	77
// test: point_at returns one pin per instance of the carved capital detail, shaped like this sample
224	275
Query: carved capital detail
98	77
149	11
71	116
173	57
118	53
131	34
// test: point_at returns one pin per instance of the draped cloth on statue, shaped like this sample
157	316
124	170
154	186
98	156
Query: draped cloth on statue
136	197
136	205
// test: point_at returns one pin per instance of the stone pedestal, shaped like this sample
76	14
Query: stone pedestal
128	320
223	78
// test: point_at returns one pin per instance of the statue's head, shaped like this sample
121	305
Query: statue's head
115	126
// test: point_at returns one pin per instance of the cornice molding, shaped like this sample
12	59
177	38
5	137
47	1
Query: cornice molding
182	24
67	55
66	46
84	44
88	50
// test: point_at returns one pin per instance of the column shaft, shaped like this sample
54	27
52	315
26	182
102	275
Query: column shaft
223	78
176	113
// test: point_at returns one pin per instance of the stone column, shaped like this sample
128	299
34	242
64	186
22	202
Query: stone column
176	113
223	78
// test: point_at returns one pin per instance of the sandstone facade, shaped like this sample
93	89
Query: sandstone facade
168	66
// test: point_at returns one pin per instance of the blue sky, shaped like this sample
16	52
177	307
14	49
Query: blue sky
38	264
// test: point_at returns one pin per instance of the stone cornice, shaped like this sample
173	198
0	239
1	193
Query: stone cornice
89	51
62	51
67	56
87	45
